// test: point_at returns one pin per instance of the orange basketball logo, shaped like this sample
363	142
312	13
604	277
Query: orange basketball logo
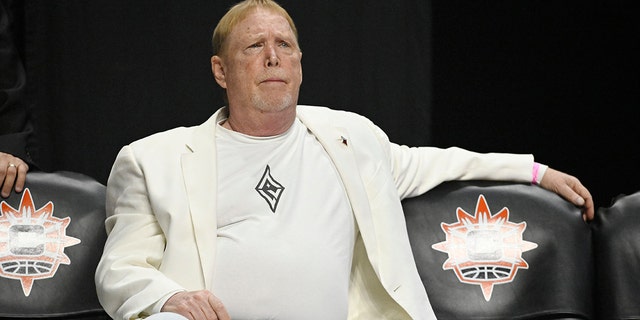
484	249
32	242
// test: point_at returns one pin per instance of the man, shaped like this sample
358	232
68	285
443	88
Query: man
271	210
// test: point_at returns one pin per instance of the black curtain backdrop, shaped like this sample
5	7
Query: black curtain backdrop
104	73
558	79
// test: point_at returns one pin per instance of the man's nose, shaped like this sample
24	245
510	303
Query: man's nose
272	59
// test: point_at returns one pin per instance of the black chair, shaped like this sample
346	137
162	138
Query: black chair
616	232
51	238
493	250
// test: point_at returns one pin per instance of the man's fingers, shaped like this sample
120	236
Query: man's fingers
571	189
197	313
21	178
571	195
8	179
197	305
219	308
584	200
577	194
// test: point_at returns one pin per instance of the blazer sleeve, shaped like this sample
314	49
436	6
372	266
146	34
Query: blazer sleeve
128	279
416	170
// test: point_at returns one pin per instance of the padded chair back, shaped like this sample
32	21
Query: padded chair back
51	238
493	250
616	232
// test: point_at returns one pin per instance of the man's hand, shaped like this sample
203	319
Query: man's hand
570	188
13	172
197	305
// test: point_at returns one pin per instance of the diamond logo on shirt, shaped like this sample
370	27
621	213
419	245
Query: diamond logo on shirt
270	189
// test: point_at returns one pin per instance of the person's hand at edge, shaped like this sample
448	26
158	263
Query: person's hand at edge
13	174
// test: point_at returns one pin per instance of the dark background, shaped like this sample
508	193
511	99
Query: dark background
558	79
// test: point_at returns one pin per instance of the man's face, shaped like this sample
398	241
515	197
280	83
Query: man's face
261	64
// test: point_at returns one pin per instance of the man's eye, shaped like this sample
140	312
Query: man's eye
255	45
284	45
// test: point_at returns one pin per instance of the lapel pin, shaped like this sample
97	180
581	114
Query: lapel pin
344	140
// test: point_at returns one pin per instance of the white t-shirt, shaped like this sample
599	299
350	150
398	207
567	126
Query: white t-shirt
285	228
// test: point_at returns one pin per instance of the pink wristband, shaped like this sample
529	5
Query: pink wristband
536	167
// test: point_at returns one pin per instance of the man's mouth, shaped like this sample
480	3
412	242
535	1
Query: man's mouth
273	80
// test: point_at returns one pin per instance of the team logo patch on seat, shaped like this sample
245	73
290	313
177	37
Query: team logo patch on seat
32	242
484	249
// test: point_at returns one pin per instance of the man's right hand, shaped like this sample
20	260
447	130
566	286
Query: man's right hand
197	305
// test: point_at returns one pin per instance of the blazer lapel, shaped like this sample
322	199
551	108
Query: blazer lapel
336	141
199	171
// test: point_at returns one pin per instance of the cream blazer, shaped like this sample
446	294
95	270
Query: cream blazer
161	212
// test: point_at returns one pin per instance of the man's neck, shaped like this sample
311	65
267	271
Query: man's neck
259	123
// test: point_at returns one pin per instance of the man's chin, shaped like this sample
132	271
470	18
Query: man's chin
274	105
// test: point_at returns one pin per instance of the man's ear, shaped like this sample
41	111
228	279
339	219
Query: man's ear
217	69
300	65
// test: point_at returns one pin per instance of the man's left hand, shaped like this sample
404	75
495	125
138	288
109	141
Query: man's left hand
570	188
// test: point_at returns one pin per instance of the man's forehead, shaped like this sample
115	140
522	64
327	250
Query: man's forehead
261	21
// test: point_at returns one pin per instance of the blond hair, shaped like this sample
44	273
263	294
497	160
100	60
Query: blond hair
237	13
